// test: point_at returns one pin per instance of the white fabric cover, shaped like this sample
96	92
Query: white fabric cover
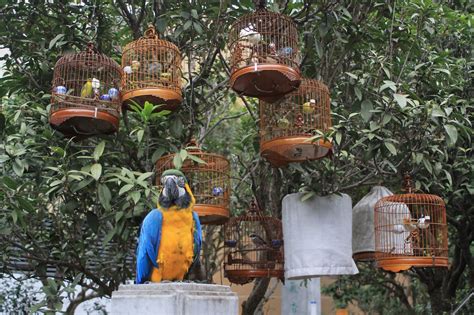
363	220
393	238
300	297
317	234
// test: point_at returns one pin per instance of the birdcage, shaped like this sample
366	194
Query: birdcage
151	72
209	182
287	125
410	231
85	98
253	247
264	54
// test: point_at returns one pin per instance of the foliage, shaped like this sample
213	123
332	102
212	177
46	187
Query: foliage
399	75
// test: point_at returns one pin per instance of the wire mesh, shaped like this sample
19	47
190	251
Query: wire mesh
287	124
152	70
264	41
253	247
85	84
209	182
410	231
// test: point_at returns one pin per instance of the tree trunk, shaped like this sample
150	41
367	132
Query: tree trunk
257	294
439	303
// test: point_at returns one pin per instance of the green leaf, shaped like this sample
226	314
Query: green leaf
176	127
307	196
358	93
177	162
96	171
365	109
401	99
388	84
125	188
104	196
140	134
196	159
99	149
109	236
452	133
9	182
54	40
390	147
25	204
135	196
183	154
157	154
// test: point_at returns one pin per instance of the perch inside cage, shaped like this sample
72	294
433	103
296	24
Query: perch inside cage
151	72
253	247
287	125
264	54
209	182
410	231
85	98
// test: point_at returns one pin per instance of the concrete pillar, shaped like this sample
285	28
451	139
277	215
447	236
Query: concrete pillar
175	298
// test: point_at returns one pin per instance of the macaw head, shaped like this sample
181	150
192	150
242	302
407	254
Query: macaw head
176	191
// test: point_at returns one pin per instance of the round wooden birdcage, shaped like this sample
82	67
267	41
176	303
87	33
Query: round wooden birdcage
151	72
209	182
410	231
85	97
264	54
287	125
253	247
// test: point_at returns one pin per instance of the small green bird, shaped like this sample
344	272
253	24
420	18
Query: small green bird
87	90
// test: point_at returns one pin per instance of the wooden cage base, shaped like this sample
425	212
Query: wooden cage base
83	122
157	96
212	214
402	263
284	150
269	82
364	256
246	276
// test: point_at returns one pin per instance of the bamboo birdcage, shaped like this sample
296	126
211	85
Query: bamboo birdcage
152	71
209	182
253	247
264	54
85	98
287	125
410	231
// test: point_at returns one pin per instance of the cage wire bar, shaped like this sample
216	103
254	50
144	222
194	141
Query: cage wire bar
264	55
253	247
410	231
209	182
152	72
85	98
287	125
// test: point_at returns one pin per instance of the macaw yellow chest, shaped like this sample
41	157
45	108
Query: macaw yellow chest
176	251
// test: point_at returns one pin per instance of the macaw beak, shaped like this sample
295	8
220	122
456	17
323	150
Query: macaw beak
170	189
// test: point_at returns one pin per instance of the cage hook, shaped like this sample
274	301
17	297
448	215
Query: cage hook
151	32
260	4
408	184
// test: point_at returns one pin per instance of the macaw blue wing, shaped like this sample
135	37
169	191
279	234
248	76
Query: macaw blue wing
197	238
148	245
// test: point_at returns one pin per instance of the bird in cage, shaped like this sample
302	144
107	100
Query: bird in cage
87	90
250	34
135	65
309	107
155	68
170	237
423	222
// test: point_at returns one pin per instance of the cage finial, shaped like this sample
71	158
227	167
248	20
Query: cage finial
90	47
151	32
260	4
407	183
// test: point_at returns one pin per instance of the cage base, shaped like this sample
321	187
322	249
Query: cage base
170	99
269	82
364	256
284	150
212	214
83	122
246	276
402	263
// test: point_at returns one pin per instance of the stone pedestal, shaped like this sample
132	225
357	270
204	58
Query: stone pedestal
174	299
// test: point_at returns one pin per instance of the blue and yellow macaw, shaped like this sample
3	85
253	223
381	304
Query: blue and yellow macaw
170	236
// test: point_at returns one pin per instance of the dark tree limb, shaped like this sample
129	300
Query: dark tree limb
258	293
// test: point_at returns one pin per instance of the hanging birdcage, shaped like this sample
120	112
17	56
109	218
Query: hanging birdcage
287	125
209	182
85	98
151	72
253	247
410	231
264	54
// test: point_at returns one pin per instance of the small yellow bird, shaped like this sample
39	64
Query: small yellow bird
308	107
87	90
